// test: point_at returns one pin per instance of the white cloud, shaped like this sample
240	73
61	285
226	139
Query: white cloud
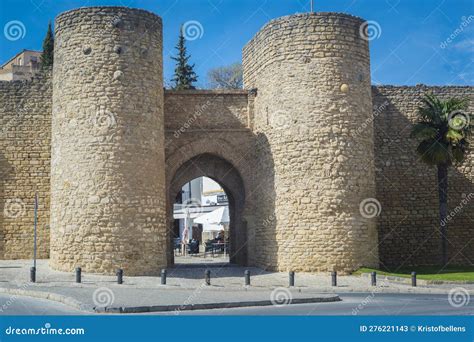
465	45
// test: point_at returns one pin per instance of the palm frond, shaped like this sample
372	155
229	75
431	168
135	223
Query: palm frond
442	135
455	103
458	154
423	130
433	152
432	109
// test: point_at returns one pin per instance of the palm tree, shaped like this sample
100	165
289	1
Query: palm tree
443	129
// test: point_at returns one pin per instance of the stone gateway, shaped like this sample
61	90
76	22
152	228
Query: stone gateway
318	165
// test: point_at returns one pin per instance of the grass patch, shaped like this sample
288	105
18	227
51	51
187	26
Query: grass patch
451	273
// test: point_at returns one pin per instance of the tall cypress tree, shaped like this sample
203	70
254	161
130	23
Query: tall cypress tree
48	49
184	75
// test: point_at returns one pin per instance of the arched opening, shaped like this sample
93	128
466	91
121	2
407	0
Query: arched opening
231	246
201	223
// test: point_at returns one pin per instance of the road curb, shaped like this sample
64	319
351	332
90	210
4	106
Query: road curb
207	306
158	308
379	289
49	296
407	280
331	296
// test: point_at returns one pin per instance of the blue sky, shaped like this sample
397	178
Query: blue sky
419	41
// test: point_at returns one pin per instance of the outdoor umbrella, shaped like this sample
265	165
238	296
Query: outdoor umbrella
220	216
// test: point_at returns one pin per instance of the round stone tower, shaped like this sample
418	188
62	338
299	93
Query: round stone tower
107	179
313	114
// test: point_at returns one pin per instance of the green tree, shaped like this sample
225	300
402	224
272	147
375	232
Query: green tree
443	129
184	75
47	57
226	77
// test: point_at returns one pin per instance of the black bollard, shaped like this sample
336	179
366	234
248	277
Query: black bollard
291	278
33	274
334	278
78	274
247	277
373	277
119	276
163	277
207	276
413	279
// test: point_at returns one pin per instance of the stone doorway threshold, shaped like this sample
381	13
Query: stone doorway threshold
201	261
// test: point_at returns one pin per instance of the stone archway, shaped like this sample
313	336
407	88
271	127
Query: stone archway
223	172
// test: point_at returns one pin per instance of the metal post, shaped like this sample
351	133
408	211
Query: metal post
373	277
35	230
119	276
207	276
334	278
247	277
78	274
163	276
33	274
292	278
33	269
312	6
413	279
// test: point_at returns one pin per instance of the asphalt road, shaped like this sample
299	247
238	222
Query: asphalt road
20	305
351	304
358	304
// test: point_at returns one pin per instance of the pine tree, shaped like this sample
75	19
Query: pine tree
184	75
47	56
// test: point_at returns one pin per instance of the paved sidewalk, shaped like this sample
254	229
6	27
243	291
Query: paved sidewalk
117	299
185	289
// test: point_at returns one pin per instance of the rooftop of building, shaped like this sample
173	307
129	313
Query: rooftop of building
18	54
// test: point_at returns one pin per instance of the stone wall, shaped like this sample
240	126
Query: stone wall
296	155
25	144
196	110
312	72
208	134
407	189
108	177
